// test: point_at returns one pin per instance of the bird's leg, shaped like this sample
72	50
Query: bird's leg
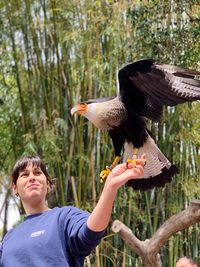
108	169
134	157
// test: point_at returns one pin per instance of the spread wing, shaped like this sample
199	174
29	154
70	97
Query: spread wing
146	87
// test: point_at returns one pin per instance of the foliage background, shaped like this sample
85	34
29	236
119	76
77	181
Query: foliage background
54	53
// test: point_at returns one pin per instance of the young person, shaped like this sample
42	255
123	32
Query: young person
59	236
185	261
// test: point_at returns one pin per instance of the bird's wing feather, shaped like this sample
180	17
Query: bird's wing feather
147	86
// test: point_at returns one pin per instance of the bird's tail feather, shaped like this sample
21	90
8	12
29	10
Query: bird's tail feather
158	170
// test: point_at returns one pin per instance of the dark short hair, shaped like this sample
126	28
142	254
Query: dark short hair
191	261
22	163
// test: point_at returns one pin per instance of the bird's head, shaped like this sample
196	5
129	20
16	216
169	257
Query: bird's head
92	106
88	110
80	109
101	111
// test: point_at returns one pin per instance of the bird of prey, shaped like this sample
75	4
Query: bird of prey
144	88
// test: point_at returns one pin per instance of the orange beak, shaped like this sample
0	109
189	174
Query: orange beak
79	109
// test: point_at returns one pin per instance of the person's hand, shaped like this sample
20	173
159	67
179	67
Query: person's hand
122	173
100	216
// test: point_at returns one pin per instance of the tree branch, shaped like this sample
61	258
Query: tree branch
149	249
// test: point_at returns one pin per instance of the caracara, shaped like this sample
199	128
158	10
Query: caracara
144	88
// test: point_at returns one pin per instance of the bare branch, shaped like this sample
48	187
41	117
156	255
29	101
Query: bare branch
149	249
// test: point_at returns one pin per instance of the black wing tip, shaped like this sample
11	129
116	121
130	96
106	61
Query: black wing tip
156	181
142	66
139	62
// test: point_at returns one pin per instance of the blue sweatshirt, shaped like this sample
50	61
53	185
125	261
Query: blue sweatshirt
58	237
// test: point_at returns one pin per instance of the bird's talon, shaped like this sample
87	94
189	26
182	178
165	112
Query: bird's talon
130	161
102	180
104	174
134	161
144	163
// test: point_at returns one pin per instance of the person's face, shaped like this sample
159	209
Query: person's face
184	263
31	184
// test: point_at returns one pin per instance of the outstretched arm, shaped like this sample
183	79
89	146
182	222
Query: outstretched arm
99	218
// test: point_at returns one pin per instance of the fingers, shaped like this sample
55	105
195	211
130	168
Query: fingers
121	174
142	160
143	156
138	169
134	173
121	168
